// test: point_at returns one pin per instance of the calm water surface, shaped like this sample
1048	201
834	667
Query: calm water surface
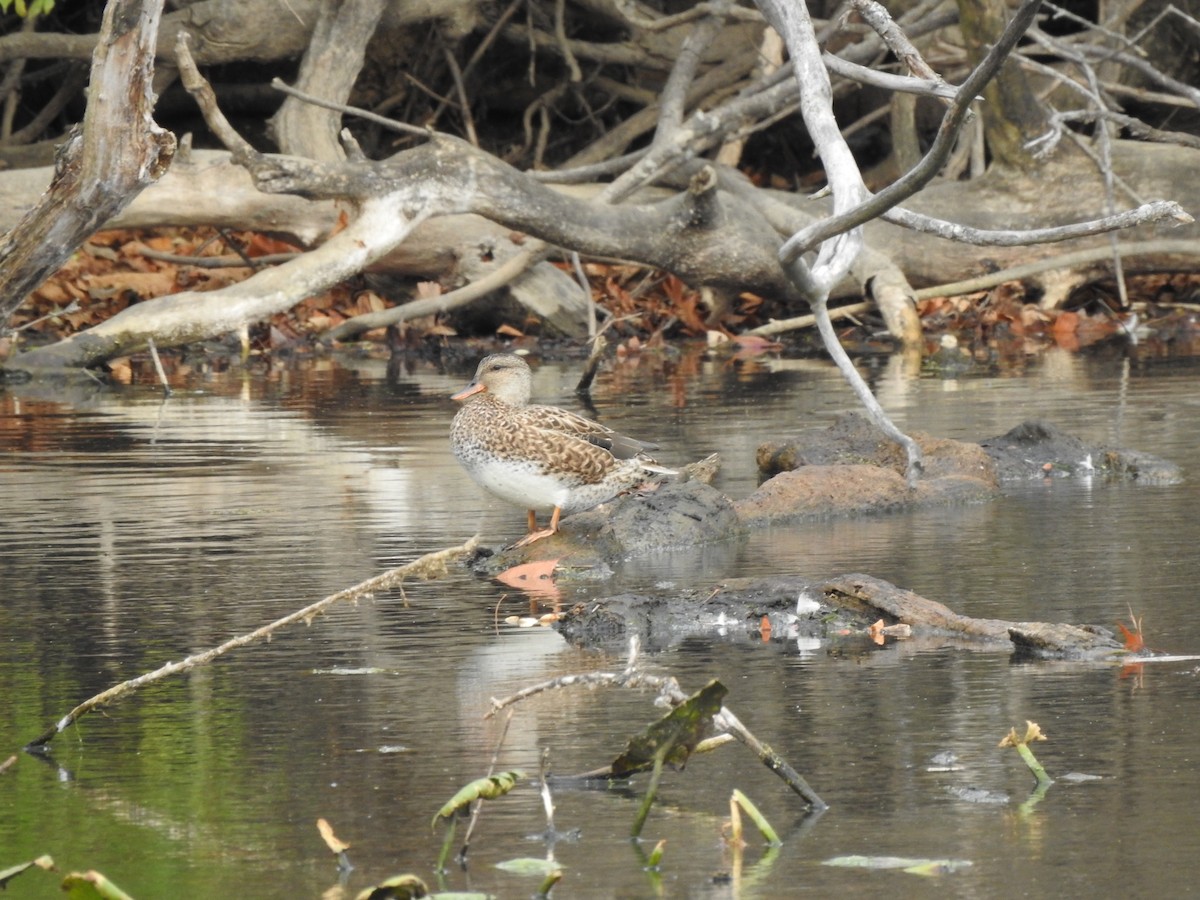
134	532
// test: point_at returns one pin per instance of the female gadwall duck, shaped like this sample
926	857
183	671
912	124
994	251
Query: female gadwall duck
543	458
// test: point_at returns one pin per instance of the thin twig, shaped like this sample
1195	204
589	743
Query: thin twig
364	114
511	269
158	367
217	262
778	326
560	34
460	88
206	99
477	809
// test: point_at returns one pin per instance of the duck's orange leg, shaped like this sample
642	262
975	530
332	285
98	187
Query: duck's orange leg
534	534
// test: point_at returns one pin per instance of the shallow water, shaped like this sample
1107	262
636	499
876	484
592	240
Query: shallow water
134	532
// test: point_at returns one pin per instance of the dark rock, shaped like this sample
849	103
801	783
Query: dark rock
673	516
735	609
838	610
1040	450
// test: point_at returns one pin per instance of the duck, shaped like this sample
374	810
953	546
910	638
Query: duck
542	458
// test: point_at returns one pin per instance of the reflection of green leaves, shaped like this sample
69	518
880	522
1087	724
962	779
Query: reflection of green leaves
7	875
398	887
480	789
908	864
673	737
92	886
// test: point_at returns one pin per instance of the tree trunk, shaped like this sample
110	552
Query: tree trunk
119	151
1012	115
330	68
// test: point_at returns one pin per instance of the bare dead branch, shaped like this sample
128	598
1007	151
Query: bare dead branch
915	179
670	691
1156	211
1127	249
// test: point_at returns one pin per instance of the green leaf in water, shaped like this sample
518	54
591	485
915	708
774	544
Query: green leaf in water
529	865
764	827
398	887
92	885
914	866
7	875
480	789
675	735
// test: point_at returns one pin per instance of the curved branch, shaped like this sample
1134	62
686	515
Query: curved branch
1155	211
919	176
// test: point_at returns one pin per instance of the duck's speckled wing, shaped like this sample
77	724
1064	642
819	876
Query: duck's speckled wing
553	418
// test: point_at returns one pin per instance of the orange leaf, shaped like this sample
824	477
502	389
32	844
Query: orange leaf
876	631
331	840
1066	323
1133	639
535	577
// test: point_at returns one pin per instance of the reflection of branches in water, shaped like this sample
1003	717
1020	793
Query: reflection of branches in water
672	694
431	565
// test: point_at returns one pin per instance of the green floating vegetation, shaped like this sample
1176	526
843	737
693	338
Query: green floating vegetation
1032	733
91	885
911	865
672	738
669	741
7	875
411	887
529	865
480	789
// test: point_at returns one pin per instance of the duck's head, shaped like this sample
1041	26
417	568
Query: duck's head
503	375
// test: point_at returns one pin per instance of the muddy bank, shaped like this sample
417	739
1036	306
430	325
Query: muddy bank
837	612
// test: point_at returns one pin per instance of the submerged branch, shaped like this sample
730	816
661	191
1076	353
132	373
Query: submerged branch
431	565
670	691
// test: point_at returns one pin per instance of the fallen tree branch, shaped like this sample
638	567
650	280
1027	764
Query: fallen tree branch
1063	261
1147	213
670	691
778	326
916	178
430	566
505	274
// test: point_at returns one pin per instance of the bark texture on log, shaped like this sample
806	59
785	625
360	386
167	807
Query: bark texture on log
100	169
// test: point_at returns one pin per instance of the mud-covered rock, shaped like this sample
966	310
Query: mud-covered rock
674	515
1039	450
852	469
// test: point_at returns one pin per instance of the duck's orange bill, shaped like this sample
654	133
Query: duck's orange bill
468	391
